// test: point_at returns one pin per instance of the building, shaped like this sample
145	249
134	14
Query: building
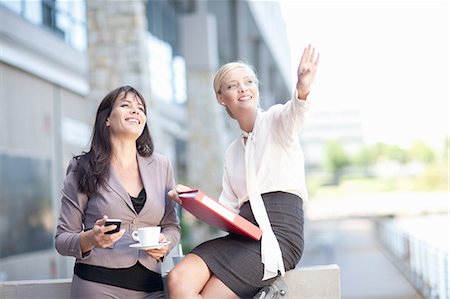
59	58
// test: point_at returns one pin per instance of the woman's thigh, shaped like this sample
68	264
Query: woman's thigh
189	275
215	288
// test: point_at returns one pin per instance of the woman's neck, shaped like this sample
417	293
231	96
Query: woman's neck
247	121
123	153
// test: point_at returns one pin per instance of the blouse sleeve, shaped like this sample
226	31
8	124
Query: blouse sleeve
228	198
288	119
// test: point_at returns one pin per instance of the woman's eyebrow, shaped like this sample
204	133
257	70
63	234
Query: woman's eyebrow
231	81
124	100
129	101
235	80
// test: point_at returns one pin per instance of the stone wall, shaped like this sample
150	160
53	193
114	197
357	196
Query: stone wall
118	51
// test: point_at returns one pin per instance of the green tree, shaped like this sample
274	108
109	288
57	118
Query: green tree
363	159
421	151
336	159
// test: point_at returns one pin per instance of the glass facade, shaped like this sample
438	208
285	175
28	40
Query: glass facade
26	217
163	23
165	59
66	19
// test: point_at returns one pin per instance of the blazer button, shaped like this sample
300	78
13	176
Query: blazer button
135	221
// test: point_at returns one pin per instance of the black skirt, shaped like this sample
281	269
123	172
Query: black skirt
236	260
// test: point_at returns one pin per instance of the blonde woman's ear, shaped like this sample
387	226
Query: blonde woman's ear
219	99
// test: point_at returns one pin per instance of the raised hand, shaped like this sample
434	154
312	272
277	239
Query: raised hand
306	71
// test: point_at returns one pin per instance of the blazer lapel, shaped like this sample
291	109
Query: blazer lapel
147	172
114	183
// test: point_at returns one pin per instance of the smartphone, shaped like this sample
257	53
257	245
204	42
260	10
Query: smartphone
112	221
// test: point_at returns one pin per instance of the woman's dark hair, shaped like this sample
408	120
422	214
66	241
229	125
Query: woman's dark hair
92	169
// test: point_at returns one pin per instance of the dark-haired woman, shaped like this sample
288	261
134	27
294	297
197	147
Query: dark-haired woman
119	177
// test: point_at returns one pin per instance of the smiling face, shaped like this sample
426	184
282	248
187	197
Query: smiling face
127	118
238	91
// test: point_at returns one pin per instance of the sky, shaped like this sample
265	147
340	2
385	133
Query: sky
388	59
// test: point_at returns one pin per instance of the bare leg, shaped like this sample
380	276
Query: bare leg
188	278
215	288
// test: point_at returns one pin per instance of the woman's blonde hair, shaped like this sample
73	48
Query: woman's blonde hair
223	71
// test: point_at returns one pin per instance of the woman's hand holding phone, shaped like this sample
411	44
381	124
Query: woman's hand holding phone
99	235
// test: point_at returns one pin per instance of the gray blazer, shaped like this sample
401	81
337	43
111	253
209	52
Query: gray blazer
78	213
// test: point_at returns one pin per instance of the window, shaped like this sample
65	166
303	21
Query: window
26	215
66	19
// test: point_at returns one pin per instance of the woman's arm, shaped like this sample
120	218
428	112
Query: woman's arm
70	223
70	238
288	119
228	198
170	223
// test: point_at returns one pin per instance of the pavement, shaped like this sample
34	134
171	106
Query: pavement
366	272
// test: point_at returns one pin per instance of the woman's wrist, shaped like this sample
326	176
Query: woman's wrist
302	94
86	243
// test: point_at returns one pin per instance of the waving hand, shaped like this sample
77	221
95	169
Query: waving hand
306	71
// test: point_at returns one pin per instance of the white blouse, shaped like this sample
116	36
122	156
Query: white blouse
278	155
270	160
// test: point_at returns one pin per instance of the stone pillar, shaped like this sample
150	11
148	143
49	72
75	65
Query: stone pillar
206	119
117	47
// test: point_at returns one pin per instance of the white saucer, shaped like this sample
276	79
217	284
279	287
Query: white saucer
145	247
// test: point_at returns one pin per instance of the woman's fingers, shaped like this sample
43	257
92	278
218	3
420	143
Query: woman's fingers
306	71
108	240
101	239
308	61
304	58
173	194
101	221
158	253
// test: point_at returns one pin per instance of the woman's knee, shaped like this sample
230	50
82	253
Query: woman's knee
190	275
180	275
175	277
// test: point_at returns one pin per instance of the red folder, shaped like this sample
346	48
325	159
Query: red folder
215	214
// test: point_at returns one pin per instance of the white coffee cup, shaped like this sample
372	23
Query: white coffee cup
147	235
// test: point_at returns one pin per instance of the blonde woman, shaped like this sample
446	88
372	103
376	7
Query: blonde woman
263	180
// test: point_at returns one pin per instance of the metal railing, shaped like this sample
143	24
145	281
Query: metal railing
423	264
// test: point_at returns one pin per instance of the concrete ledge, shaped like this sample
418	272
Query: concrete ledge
318	282
36	289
